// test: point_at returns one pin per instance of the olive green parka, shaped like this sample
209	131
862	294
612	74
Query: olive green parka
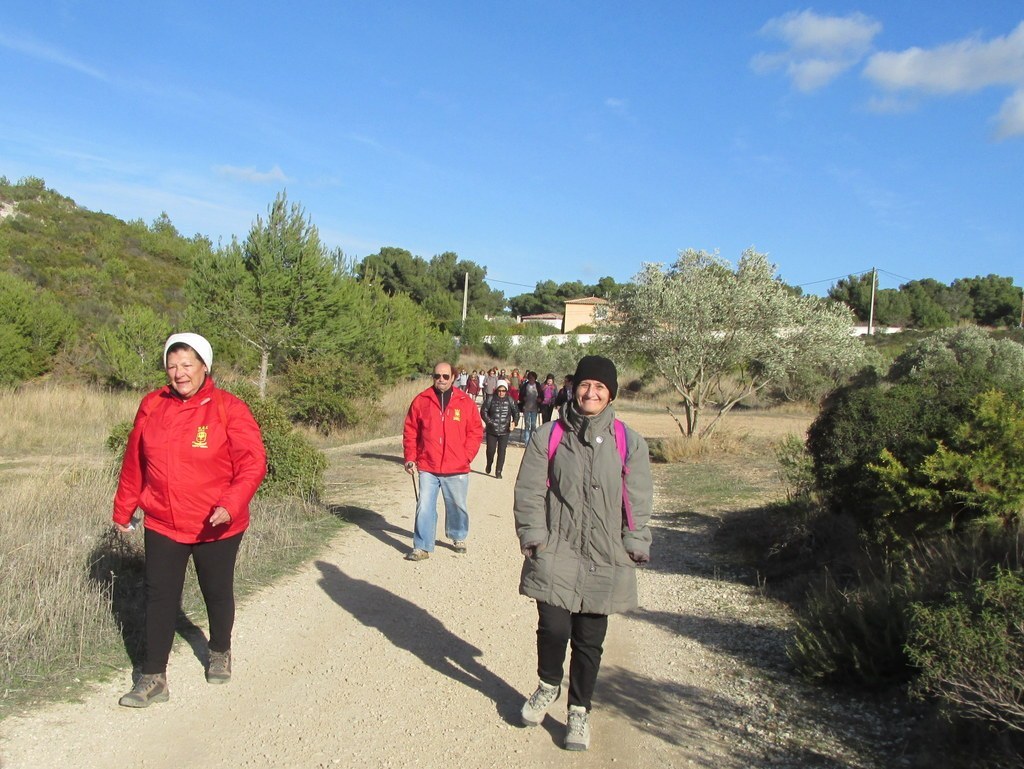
583	562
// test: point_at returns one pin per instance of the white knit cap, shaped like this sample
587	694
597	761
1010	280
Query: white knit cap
196	342
501	383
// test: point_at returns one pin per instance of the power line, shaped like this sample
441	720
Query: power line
509	283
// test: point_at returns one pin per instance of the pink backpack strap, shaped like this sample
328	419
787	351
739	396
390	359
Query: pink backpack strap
554	439
620	445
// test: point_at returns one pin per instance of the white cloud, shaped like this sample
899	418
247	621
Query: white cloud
965	65
961	66
820	48
275	174
618	105
38	50
1010	120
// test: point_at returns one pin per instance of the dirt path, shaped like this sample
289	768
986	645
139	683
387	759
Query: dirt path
364	659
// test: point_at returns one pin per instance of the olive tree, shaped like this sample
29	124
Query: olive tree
720	334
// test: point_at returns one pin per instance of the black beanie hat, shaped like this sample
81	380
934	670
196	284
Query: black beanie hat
599	369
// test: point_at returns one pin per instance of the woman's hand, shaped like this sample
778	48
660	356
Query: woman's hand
124	528
220	516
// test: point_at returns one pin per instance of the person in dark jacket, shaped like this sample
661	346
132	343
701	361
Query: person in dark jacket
582	514
499	415
565	395
529	405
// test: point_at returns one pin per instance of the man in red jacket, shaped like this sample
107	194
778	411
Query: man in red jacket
442	435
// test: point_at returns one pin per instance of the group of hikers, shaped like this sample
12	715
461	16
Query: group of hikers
583	499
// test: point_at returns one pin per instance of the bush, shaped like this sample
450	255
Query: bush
328	391
970	650
928	393
294	466
857	633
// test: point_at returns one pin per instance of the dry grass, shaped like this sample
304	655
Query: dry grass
60	421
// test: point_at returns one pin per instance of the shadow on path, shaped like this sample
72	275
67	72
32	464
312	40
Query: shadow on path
411	628
392	458
684	716
117	565
376	525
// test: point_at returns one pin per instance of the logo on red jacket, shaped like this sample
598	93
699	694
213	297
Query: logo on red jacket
457	415
200	441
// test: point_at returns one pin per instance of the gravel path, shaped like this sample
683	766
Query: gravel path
364	659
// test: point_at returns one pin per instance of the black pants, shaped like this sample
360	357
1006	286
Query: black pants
557	627
546	412
499	442
165	577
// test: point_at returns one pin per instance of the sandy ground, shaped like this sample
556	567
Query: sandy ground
364	659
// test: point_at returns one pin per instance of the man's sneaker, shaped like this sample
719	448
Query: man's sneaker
535	707
459	546
417	555
218	671
150	688
577	729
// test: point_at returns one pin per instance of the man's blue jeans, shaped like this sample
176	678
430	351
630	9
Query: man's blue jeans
453	489
529	426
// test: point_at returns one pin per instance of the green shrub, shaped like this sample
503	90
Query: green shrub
975	480
33	327
970	650
900	421
294	466
328	391
131	349
796	469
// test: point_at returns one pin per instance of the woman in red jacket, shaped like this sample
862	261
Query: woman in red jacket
194	460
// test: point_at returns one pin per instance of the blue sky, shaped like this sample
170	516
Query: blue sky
543	140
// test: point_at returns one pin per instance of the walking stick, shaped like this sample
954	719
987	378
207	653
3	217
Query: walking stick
415	487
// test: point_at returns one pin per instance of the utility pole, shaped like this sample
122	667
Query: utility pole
465	300
871	312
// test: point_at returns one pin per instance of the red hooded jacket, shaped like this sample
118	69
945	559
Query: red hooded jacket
186	457
442	443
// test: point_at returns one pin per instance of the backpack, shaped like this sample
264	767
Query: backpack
555	440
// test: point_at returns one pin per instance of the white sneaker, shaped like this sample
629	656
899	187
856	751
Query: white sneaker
577	729
539	702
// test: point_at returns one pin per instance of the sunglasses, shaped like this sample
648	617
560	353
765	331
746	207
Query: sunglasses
442	376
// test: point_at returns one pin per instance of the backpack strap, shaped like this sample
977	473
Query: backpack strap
555	439
620	445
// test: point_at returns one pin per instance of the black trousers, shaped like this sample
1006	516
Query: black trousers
165	578
557	627
499	442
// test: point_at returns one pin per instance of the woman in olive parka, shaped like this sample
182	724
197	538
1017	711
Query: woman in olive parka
582	506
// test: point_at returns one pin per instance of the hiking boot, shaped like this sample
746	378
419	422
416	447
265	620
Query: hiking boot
459	546
150	688
218	671
417	555
577	729
535	707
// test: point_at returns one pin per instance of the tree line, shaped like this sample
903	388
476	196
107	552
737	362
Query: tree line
992	300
